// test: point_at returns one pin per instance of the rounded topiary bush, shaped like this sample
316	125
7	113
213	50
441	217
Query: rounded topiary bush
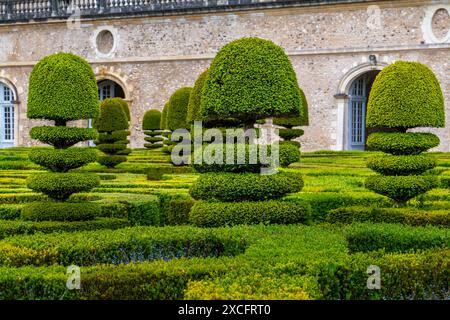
250	79
61	211
220	214
60	186
289	134
229	187
62	88
195	99
163	124
398	143
404	95
151	125
288	153
177	109
301	120
112	125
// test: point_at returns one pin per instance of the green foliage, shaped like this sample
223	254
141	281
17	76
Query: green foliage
290	122
322	203
20	198
60	211
406	95
163	124
154	139
144	213
397	143
396	238
178	211
124	106
112	117
111	161
114	136
288	154
401	188
289	134
155	173
62	87
404	277
152	120
63	160
60	186
219	214
10	211
195	99
62	137
136	244
409	216
177	109
401	165
250	79
245	186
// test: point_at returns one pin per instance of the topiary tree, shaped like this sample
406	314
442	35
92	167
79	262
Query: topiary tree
62	88
151	125
194	112
404	95
177	109
251	79
112	125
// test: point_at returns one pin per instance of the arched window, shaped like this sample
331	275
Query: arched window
109	89
6	117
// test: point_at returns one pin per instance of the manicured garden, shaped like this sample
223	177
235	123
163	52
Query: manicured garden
162	223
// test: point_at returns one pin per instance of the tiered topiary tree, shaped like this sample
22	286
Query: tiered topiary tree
404	95
195	99
112	125
249	79
177	108
151	124
62	88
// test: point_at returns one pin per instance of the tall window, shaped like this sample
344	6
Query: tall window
6	117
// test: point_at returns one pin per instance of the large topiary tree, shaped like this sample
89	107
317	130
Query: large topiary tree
195	99
151	124
404	95
249	79
112	125
62	88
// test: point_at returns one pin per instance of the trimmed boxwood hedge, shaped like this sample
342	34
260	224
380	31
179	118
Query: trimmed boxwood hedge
401	188
288	154
152	120
291	122
62	137
195	99
60	186
63	160
112	117
10	211
177	109
219	214
406	95
231	187
62	87
163	124
401	165
409	216
289	134
60	211
399	143
250	79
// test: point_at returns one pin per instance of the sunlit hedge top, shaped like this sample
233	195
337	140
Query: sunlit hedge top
193	113
62	87
406	95
112	117
125	107
177	109
301	120
250	79
152	120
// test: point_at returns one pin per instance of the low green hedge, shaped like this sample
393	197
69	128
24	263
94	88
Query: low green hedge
245	186
288	153
156	280
396	238
60	211
420	276
61	185
178	211
144	213
396	143
322	203
62	136
111	161
21	198
135	244
63	160
401	188
10	211
166	209
13	228
401	165
409	216
219	214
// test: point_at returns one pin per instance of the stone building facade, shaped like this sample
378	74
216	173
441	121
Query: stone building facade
145	50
